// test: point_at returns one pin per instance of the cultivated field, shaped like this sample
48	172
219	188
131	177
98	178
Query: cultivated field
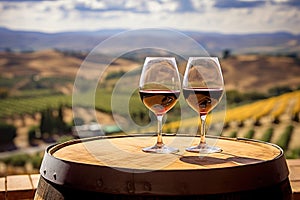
38	80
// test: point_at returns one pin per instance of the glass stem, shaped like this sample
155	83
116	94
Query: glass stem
159	142
202	129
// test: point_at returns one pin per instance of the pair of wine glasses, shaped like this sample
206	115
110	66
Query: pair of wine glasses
202	88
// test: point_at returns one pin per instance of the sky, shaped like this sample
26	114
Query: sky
223	16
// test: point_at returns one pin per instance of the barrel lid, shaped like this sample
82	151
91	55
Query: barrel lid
117	165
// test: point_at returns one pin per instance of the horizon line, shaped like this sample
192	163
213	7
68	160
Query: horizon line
119	30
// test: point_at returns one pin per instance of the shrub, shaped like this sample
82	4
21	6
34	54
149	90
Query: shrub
233	96
285	137
233	134
276	91
276	120
3	92
19	160
7	133
33	134
65	138
226	125
52	121
293	154
7	136
250	134
257	122
296	117
241	124
46	121
36	161
267	136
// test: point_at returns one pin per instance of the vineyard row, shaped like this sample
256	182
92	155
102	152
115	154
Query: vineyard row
274	108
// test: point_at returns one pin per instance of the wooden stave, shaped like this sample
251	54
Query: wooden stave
49	191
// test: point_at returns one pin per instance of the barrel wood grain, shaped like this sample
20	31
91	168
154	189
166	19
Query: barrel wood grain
120	152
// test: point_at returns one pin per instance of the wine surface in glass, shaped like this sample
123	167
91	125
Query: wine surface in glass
202	100
159	101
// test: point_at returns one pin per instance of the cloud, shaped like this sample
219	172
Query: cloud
185	6
294	3
96	6
149	6
225	4
227	16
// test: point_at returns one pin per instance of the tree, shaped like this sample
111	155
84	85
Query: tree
276	91
47	121
7	136
3	92
59	121
226	53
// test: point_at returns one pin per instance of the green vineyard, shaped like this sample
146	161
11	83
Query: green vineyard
19	106
15	106
275	119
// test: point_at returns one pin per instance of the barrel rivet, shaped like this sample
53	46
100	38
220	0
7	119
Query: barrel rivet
54	176
99	182
147	186
130	187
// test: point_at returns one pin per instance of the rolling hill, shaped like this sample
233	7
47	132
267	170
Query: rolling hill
214	43
245	73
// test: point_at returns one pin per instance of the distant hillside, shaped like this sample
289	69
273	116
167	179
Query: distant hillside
243	72
47	63
214	43
269	43
259	73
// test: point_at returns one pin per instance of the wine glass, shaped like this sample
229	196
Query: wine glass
159	90
203	88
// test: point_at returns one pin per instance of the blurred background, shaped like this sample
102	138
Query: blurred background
43	44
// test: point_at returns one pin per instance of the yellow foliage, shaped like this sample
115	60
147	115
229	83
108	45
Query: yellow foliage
273	107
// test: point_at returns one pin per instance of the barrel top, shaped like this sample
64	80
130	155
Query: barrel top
94	164
126	152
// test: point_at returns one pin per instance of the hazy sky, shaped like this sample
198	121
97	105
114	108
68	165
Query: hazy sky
225	16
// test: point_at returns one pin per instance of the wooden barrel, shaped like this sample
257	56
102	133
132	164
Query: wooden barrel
116	168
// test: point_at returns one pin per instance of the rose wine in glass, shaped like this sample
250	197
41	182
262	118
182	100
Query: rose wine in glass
203	88
159	90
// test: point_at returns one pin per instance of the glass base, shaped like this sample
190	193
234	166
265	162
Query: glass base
160	149
204	148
